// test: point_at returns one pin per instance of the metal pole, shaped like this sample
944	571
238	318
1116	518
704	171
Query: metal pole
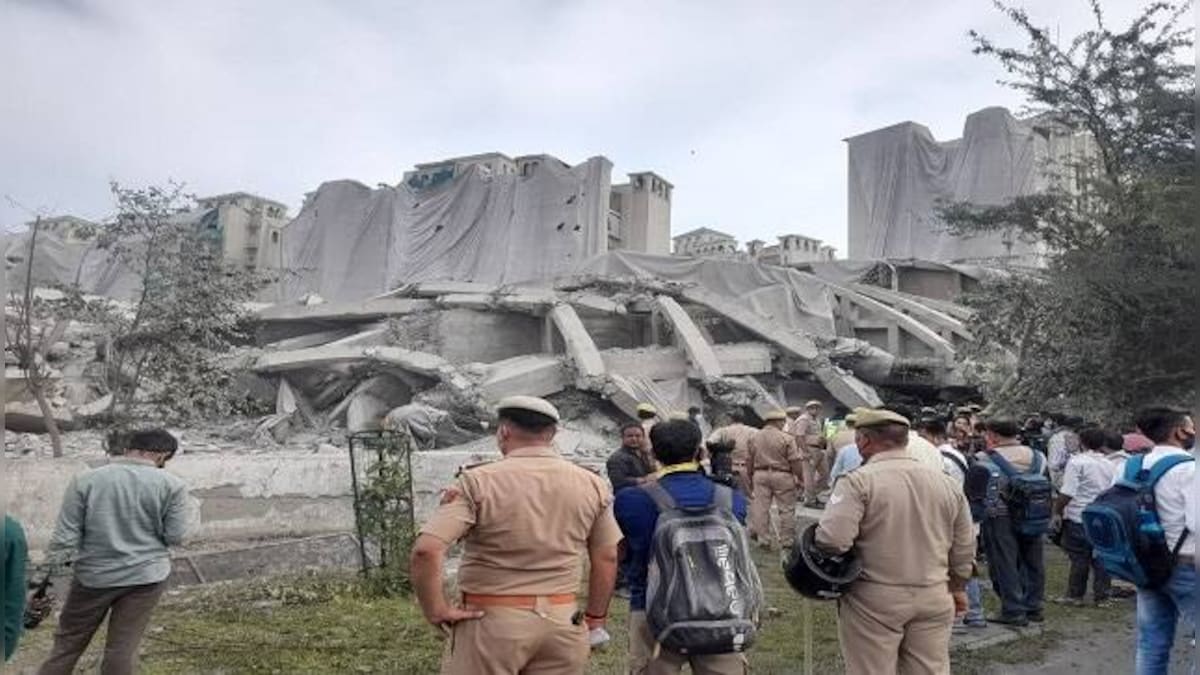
358	524
807	611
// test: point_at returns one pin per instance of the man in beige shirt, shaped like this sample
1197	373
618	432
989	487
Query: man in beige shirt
525	521
774	463
911	528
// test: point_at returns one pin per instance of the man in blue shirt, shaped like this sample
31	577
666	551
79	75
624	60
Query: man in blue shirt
677	447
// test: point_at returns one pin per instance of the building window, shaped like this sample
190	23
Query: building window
275	237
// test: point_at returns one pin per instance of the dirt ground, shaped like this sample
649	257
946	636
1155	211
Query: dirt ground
1096	650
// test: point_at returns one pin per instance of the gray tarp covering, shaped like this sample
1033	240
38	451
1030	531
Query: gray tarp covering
60	262
350	241
896	175
787	297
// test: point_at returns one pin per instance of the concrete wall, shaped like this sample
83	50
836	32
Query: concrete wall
466	335
937	284
235	496
264	496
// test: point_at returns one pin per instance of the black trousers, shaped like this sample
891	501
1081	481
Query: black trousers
1082	562
1016	564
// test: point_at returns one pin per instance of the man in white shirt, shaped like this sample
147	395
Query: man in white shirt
1087	474
1063	443
1173	433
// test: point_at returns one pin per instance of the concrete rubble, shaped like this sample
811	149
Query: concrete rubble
431	359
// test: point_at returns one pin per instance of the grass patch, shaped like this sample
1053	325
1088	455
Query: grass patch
327	624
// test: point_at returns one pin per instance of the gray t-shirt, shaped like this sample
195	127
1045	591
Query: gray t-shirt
117	521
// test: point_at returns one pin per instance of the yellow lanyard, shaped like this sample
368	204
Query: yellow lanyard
676	468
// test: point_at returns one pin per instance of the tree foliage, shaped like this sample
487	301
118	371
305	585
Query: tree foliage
1110	323
166	352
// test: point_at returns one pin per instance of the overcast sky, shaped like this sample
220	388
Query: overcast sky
741	105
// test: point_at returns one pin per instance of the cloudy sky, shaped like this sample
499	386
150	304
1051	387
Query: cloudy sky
742	109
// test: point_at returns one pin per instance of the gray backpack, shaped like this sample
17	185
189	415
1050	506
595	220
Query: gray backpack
703	594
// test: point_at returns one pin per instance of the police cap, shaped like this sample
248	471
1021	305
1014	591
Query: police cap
531	404
871	417
775	416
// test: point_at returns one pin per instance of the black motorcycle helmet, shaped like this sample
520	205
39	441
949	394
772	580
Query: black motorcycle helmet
817	575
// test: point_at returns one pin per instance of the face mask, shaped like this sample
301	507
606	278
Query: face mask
1189	441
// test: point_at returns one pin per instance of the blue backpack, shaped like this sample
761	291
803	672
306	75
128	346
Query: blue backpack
1123	527
1029	496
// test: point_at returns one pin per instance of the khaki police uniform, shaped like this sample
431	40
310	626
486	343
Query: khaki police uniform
912	531
773	464
809	433
739	435
526	522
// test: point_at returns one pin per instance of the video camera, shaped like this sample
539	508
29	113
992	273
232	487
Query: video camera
720	458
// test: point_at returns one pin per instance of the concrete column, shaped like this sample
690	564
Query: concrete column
699	352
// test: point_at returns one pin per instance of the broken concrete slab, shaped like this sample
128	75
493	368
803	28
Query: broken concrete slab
307	340
466	301
744	358
532	375
345	311
795	344
699	352
626	391
26	418
598	304
943	322
589	366
656	363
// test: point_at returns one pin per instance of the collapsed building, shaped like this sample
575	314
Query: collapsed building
416	307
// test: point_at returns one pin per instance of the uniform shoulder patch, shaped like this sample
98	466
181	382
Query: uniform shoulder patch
450	494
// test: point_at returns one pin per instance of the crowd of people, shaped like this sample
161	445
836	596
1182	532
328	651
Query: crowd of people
932	502
924	500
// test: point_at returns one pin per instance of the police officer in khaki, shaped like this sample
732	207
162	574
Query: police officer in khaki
911	529
773	465
808	429
525	521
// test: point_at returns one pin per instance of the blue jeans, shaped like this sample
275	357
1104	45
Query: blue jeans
974	601
1157	613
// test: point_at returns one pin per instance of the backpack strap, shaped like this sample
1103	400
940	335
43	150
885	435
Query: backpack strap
1164	465
1179	544
957	462
662	499
1133	466
1035	466
1003	464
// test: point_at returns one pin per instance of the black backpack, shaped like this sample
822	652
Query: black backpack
1030	496
703	594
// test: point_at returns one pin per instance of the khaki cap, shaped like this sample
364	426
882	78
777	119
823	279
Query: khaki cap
775	416
975	407
678	416
814	404
530	404
647	408
870	417
852	419
794	410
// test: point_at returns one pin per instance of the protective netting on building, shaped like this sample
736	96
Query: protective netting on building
350	241
898	174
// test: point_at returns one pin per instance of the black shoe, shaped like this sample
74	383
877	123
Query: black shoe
1035	617
1017	620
